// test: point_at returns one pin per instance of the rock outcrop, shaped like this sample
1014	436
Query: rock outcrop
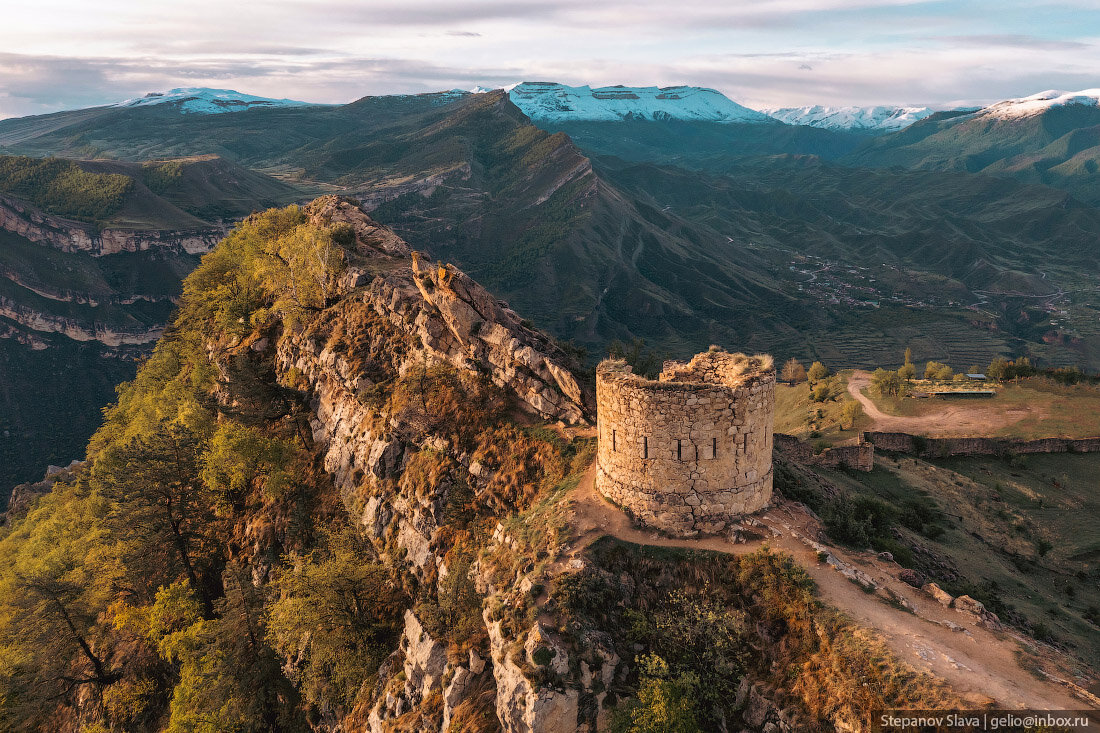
410	316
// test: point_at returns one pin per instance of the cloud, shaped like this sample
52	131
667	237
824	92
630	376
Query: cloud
61	55
1012	40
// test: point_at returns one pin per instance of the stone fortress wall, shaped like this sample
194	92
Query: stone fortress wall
692	451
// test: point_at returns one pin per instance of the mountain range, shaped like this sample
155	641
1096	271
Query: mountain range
669	216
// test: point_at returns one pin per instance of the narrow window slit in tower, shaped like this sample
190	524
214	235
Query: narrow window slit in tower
746	442
614	443
679	450
714	447
645	447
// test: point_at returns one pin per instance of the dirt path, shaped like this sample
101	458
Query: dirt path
978	664
953	420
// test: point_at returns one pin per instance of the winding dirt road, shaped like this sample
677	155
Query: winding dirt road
978	664
955	419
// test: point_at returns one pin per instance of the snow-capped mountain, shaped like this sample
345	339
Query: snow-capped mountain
1041	102
879	118
549	101
199	100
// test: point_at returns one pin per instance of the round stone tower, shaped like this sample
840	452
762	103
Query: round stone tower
691	451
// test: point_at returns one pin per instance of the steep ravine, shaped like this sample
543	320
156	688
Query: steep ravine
78	306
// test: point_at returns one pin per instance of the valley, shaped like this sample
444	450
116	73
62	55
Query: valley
678	232
331	413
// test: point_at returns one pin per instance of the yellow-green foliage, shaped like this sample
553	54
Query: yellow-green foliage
57	577
272	262
665	704
63	188
241	457
177	486
229	679
340	616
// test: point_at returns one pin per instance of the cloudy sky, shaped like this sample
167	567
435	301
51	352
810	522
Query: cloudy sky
63	54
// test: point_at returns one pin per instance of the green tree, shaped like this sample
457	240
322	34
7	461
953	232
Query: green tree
938	370
887	383
820	392
850	413
908	356
998	369
338	614
162	514
242	458
817	372
665	702
907	371
57	578
300	269
701	636
229	678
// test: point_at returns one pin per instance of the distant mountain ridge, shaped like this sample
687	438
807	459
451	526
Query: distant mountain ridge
202	100
1039	103
880	118
560	103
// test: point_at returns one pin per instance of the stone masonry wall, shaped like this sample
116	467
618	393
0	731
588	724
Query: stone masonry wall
945	447
687	457
859	457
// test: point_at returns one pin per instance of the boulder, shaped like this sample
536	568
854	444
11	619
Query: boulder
966	604
938	594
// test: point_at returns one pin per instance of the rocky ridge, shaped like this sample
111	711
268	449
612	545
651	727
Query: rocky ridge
410	315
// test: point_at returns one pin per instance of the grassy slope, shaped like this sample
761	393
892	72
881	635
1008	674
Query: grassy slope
797	414
1000	514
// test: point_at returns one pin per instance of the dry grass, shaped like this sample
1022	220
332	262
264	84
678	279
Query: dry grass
1033	408
797	414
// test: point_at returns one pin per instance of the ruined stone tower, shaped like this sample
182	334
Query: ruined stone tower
693	450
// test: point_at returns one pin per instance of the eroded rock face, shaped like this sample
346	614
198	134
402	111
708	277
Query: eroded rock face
396	314
523	707
407	316
71	236
44	323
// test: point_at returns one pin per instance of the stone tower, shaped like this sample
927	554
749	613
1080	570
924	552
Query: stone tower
691	451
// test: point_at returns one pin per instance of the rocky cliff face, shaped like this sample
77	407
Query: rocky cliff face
45	323
400	316
71	236
407	315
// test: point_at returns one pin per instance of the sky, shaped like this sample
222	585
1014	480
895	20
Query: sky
67	54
